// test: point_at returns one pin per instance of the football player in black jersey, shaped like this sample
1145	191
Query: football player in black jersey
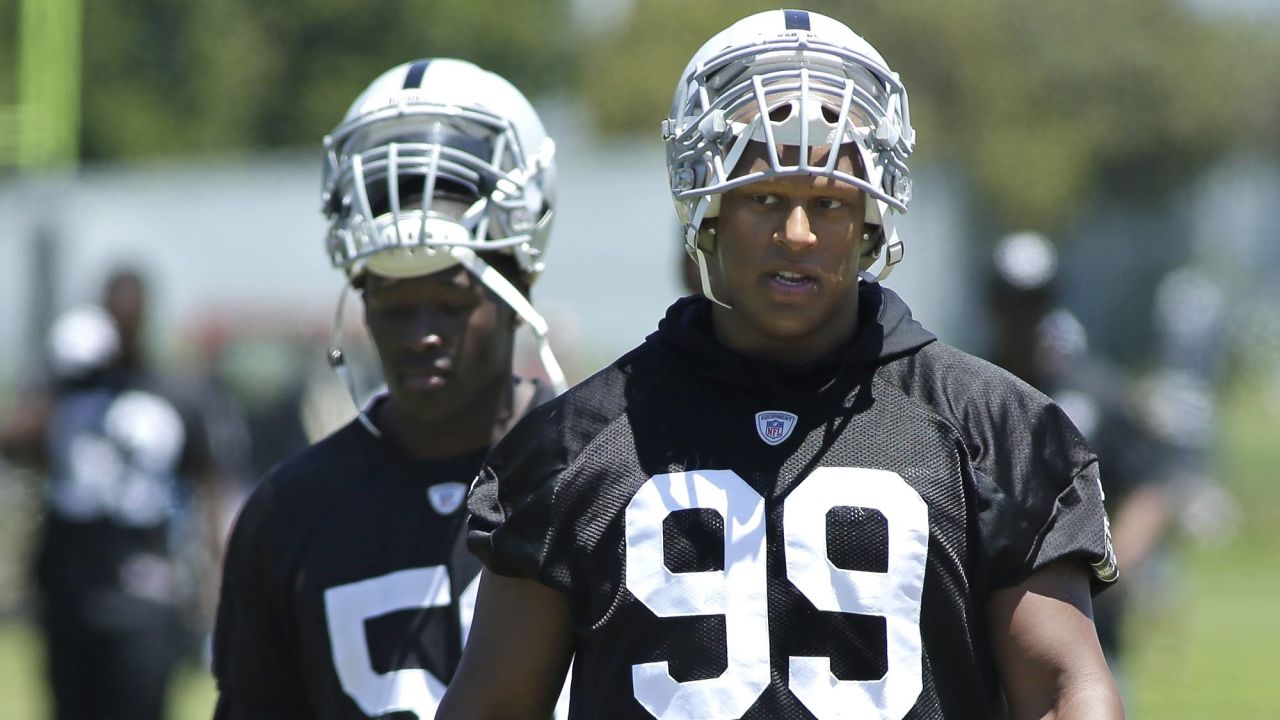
348	590
791	501
131	467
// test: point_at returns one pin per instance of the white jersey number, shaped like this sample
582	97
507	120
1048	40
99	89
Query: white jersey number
347	607
739	592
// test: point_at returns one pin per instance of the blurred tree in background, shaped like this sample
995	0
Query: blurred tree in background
1042	104
8	91
175	77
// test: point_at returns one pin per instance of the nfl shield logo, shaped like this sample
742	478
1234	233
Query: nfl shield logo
774	426
446	498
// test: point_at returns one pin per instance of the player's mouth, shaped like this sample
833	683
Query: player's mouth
423	381
418	378
791	282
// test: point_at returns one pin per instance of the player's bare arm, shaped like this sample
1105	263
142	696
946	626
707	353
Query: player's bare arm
522	634
1047	651
22	433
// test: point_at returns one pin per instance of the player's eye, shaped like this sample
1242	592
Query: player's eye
456	303
457	308
765	199
396	311
830	203
392	315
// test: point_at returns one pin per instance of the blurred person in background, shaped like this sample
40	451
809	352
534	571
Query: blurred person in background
124	457
348	591
1048	347
267	365
1177	400
1179	391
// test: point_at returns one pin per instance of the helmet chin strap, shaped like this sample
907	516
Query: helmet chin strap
338	362
701	257
694	246
516	300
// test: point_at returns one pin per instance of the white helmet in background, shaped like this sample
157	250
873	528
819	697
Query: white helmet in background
429	126
424	139
789	78
82	341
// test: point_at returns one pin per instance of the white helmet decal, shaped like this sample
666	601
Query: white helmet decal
788	78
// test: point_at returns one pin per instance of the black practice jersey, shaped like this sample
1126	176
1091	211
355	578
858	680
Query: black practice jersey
348	590
123	453
743	541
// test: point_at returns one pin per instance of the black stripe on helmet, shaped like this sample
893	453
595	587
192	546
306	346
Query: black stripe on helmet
413	79
796	19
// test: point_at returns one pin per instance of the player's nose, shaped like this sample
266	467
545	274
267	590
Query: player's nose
796	233
427	341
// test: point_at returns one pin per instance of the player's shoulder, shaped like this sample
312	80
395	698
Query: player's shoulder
330	459
298	487
556	431
941	372
970	393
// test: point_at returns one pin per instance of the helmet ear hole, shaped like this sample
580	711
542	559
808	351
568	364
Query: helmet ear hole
872	242
706	240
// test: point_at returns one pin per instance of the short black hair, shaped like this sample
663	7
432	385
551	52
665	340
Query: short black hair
121	276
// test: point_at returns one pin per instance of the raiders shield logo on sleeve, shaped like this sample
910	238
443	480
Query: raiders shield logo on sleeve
774	426
447	497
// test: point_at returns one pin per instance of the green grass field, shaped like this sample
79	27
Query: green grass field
1210	652
22	694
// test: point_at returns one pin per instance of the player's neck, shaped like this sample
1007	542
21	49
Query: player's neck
433	438
739	335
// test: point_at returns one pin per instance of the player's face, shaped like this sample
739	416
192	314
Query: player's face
126	301
786	260
444	339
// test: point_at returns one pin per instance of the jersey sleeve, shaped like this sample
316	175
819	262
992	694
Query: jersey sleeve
532	502
513	516
255	657
1040	496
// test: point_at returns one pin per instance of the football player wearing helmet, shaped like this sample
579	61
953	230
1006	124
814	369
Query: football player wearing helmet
791	501
348	590
131	466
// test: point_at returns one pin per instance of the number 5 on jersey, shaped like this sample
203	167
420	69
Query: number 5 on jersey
739	591
347	607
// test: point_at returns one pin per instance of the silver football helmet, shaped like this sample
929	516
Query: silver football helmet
422	137
422	127
789	78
